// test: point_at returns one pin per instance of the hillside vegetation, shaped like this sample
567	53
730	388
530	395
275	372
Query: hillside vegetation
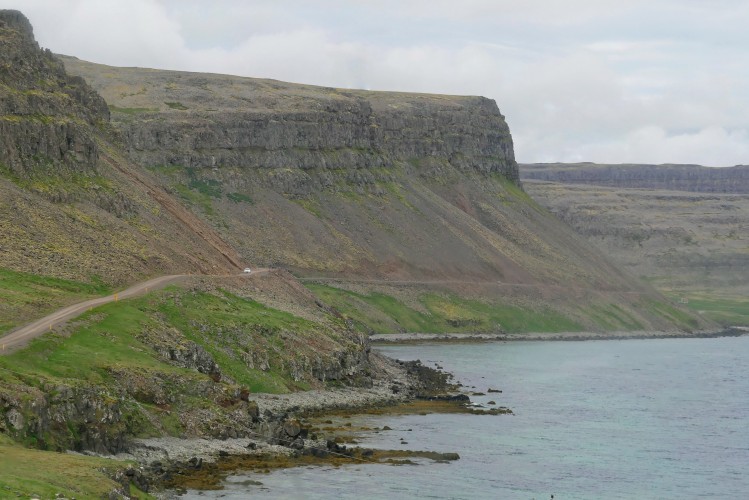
381	186
691	244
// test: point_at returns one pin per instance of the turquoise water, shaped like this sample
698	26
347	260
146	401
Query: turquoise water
595	419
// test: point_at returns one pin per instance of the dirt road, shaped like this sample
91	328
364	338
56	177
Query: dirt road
23	335
20	337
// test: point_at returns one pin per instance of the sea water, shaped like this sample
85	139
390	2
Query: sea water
660	418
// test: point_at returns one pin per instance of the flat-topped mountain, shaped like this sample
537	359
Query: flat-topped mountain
405	194
198	120
691	178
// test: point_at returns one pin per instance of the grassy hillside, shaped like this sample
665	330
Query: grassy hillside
380	308
175	362
305	178
29	473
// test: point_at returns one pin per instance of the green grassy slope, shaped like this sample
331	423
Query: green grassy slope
29	473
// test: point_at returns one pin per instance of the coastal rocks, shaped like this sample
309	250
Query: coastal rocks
193	356
63	417
292	428
128	477
15	419
429	382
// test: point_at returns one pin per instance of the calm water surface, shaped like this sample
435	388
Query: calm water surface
595	419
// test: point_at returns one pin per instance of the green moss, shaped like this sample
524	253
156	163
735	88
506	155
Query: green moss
240	198
177	105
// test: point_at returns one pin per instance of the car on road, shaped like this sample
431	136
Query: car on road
247	270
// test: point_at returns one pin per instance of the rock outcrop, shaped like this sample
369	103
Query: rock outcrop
205	121
45	112
70	204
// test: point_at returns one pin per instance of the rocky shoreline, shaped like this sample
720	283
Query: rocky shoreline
404	338
167	465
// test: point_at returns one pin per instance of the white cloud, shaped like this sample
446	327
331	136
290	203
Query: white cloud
593	80
712	146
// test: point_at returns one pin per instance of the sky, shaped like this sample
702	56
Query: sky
607	81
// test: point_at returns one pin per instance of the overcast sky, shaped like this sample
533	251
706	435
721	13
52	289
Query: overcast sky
649	81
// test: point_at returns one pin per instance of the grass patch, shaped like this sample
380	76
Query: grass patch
195	198
239	198
107	338
724	310
209	187
28	473
227	326
224	325
177	105
26	296
612	317
381	313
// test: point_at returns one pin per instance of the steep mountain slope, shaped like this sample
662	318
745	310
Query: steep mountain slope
367	188
70	204
691	241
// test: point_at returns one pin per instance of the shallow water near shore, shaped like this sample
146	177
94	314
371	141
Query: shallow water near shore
660	418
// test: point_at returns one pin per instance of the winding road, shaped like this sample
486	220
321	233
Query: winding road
23	335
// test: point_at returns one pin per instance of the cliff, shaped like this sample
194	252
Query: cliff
46	114
70	204
690	178
199	120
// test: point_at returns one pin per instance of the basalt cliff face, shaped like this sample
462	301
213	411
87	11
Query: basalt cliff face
689	178
214	121
47	115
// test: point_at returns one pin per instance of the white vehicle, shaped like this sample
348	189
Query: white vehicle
247	270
